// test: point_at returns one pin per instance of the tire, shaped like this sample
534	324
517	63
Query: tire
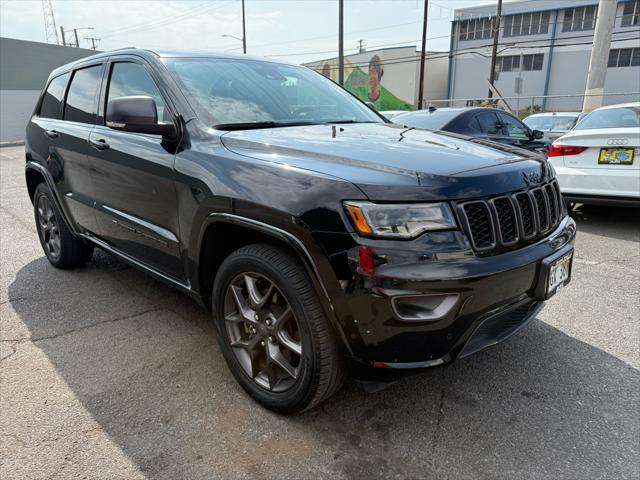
62	248
311	376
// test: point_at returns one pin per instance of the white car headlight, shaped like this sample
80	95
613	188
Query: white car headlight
400	220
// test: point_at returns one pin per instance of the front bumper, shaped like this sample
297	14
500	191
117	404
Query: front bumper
494	297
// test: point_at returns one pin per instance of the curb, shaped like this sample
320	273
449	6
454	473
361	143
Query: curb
15	143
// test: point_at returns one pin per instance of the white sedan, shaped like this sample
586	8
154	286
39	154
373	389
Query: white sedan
598	162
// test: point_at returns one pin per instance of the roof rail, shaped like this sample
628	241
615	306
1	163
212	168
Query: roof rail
125	48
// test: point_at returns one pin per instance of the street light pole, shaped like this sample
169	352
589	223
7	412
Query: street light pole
244	32
422	55
341	42
494	52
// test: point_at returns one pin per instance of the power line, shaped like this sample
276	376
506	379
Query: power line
460	52
162	21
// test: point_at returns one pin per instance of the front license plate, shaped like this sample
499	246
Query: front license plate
559	273
616	156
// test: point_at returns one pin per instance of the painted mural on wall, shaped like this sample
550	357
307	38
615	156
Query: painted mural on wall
368	86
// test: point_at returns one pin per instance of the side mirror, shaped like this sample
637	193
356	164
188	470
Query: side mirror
537	134
137	114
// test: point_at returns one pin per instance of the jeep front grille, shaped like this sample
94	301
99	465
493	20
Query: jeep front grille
510	219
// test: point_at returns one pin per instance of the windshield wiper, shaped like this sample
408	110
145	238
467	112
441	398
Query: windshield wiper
335	122
265	124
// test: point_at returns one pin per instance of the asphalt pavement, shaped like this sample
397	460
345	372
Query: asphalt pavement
107	373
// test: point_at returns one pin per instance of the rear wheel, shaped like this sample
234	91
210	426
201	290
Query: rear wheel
274	334
62	248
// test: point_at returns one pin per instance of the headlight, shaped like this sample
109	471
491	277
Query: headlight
400	220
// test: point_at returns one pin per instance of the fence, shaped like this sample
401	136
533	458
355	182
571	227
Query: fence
525	105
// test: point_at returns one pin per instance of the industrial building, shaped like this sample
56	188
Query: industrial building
544	50
24	69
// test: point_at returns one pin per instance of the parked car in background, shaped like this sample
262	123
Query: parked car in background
323	239
598	161
552	124
487	123
389	114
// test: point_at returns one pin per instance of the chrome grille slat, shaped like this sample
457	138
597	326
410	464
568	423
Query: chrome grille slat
507	220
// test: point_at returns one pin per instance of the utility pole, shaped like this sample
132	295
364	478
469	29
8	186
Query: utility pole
94	41
64	42
423	54
50	28
341	42
75	33
244	32
361	46
599	55
494	52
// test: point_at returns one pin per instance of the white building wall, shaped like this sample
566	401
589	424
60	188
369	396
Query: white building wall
569	67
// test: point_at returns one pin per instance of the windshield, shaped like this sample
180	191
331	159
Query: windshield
237	91
432	120
550	122
611	118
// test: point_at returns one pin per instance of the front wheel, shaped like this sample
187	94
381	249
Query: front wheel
274	334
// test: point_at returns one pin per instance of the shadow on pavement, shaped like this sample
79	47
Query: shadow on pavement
143	361
614	222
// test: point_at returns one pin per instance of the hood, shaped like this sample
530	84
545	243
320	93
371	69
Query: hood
377	156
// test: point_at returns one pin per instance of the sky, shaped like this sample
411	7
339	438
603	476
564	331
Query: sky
294	30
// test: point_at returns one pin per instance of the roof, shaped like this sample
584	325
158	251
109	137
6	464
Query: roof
620	105
145	52
525	6
553	114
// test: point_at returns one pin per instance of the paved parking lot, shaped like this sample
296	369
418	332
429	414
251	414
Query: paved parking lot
107	373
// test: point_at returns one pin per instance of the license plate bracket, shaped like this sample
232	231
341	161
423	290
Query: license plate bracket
616	156
555	273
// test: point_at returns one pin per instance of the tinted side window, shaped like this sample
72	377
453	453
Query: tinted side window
81	99
51	106
489	123
513	127
128	79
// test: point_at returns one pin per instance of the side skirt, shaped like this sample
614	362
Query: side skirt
158	275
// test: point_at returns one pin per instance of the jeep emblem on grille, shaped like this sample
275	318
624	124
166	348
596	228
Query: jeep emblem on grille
531	178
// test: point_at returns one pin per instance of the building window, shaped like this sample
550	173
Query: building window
577	19
532	62
476	29
526	24
624	57
630	14
511	63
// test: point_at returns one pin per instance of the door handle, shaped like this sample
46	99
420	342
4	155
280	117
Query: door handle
100	144
51	134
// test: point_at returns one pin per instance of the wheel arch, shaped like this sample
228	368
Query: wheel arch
240	231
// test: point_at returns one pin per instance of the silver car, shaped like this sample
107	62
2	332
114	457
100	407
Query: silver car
553	124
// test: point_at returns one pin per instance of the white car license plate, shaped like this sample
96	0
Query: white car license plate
559	273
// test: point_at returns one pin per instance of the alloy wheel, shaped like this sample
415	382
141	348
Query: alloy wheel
263	332
48	225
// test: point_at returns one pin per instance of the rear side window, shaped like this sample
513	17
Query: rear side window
81	99
129	79
51	106
488	122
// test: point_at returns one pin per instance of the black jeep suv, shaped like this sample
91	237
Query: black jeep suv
324	240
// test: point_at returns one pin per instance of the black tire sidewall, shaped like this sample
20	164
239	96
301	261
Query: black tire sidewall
301	393
73	251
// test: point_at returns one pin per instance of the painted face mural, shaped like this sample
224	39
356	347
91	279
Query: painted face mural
375	75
